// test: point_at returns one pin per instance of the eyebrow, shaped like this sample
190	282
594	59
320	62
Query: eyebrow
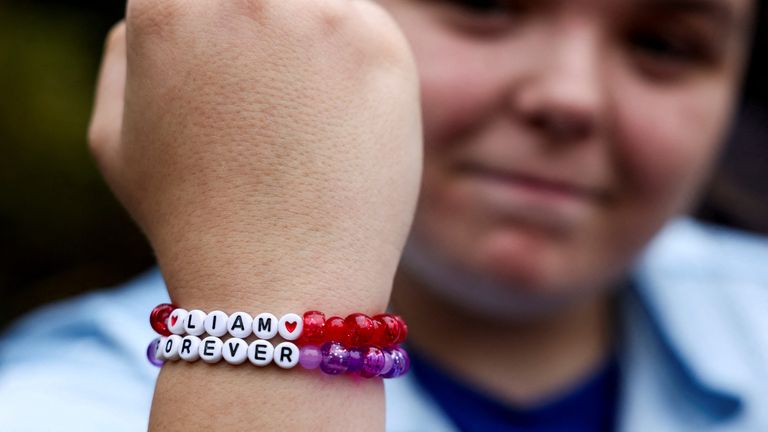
720	12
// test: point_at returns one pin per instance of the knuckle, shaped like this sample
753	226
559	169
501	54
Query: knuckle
101	136
152	16
97	138
254	9
98	146
380	32
116	36
332	14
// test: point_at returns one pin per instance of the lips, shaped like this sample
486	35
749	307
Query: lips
546	185
514	198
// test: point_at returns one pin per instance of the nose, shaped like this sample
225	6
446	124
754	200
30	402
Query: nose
561	95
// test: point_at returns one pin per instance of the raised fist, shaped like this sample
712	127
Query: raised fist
280	138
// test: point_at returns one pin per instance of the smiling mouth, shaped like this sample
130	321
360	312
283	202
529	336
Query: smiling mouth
538	185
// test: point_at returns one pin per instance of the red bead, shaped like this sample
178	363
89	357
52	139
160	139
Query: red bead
335	331
388	331
403	329
314	328
158	318
377	329
360	329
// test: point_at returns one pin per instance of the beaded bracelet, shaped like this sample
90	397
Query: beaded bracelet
383	330
355	344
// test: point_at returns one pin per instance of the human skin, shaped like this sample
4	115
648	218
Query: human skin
271	152
561	136
558	139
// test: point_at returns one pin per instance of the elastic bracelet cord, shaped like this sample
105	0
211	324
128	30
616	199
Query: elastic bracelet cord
358	344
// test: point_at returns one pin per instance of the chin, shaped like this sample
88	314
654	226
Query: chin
512	275
524	261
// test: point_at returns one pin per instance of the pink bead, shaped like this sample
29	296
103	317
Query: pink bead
158	318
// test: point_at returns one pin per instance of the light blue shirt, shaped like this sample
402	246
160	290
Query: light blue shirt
694	348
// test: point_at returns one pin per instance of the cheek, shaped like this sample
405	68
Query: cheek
667	140
452	98
461	81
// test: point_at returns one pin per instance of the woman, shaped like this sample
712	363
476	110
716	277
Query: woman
271	151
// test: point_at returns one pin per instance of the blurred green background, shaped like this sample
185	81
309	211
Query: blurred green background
62	233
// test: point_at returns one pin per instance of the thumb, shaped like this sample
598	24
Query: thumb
107	117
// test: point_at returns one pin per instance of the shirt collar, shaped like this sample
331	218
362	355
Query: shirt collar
684	307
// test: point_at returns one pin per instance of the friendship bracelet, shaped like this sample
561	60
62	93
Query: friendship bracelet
357	329
212	349
332	358
356	344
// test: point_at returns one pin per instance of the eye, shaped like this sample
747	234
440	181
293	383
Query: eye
666	47
486	18
501	7
483	7
671	53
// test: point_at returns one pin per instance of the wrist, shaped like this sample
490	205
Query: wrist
259	275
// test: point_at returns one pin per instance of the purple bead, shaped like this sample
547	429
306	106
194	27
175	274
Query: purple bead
388	362
373	361
151	350
400	364
355	362
335	358
406	360
310	357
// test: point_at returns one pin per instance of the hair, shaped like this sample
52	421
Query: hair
737	194
756	87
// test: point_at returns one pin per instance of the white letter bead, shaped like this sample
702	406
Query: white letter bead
210	349
240	325
265	325
235	351
176	321
171	347
159	348
215	323
261	352
290	326
286	355
193	325
189	349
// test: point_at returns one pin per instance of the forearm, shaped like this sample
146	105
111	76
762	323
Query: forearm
279	279
278	174
200	396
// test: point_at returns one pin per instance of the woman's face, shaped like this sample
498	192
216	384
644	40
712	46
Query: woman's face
560	135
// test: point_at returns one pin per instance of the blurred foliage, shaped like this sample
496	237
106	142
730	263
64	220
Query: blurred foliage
60	230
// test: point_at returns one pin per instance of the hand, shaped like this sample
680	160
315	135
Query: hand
269	149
